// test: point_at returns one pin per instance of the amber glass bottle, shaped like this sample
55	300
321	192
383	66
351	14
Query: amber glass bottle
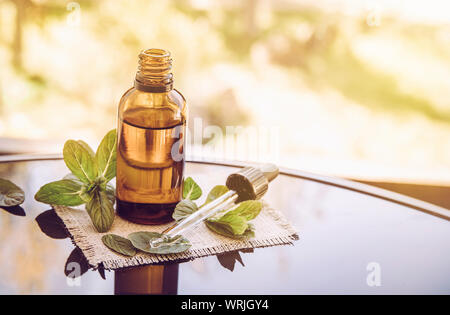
150	143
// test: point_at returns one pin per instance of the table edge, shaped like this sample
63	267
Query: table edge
322	179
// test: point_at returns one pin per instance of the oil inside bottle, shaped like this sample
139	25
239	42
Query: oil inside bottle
150	165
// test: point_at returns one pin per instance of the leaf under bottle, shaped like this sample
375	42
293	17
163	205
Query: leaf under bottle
184	209
141	240
191	190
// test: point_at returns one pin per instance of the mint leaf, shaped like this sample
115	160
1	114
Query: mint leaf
106	156
249	232
111	193
85	190
184	209
119	244
87	147
224	229
232	223
248	209
216	192
10	194
73	177
141	240
191	190
101	211
63	192
79	161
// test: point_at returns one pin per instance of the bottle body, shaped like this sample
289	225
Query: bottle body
150	154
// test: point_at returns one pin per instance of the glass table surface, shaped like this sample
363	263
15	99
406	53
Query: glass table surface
345	238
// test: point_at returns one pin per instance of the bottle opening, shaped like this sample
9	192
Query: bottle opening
156	53
154	71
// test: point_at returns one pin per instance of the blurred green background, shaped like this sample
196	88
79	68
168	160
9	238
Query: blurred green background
354	88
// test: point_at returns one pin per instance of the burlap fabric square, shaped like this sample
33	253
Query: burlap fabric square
271	228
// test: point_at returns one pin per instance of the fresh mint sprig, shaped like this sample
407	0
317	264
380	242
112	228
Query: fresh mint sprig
88	181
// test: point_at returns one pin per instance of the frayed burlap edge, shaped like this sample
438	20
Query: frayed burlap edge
80	239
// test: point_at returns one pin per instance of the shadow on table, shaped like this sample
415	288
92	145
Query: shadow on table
76	264
15	210
228	260
52	226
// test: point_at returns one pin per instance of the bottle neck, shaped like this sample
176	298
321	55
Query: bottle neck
154	71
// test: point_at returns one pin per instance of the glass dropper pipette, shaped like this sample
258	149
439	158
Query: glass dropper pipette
249	183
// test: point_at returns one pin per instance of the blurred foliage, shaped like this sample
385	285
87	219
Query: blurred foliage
297	64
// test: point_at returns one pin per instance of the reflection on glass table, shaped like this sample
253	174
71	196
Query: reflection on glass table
347	235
